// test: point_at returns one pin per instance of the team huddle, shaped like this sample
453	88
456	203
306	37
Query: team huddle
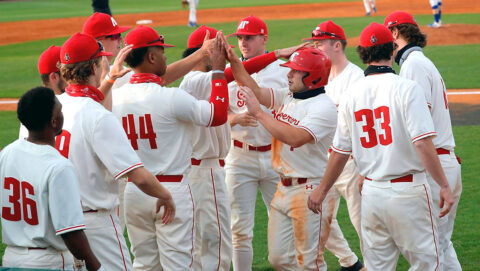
104	147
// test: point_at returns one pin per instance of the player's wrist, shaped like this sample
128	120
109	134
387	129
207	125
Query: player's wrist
110	79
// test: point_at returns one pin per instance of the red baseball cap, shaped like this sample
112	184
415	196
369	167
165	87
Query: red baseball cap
81	47
375	34
144	36
399	17
327	30
47	63
101	24
198	36
251	26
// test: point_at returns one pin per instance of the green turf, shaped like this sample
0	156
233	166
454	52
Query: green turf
465	236
18	71
49	9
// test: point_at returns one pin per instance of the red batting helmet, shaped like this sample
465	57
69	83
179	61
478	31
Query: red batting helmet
313	61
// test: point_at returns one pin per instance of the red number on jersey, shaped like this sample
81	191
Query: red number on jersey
129	127
368	127
386	137
445	95
144	122
15	213
62	143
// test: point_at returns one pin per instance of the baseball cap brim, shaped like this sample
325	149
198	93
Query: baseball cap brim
119	30
102	53
245	33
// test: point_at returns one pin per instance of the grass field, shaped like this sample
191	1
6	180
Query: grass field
457	64
19	73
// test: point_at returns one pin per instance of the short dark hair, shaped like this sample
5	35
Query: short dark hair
412	34
375	53
46	77
189	51
35	108
79	72
342	42
136	56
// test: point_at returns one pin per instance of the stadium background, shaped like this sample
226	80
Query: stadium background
29	27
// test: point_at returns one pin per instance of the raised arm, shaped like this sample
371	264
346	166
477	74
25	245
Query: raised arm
183	66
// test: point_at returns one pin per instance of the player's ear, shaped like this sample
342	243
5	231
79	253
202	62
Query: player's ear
150	56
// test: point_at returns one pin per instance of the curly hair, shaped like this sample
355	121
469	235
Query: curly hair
376	53
79	72
412	34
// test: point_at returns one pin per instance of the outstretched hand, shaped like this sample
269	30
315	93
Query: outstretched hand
218	52
251	101
287	52
118	70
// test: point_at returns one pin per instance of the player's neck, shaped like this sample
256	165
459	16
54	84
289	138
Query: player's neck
41	138
382	63
338	65
401	43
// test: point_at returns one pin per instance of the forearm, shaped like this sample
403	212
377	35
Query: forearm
181	67
428	155
219	99
286	133
335	166
149	185
77	244
252	65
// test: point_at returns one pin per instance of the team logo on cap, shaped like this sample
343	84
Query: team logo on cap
114	23
373	39
293	56
67	57
243	24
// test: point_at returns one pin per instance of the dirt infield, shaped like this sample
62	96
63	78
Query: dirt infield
52	28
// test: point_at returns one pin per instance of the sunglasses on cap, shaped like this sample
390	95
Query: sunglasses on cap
113	37
160	39
319	33
391	23
100	48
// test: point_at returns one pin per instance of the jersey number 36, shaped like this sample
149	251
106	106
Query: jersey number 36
20	206
369	116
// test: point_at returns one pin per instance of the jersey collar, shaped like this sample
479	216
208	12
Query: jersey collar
309	93
403	53
374	69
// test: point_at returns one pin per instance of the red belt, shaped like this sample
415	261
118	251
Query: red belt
405	179
441	151
289	181
196	162
167	178
240	144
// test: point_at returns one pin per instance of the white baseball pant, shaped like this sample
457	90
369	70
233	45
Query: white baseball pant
48	258
346	186
397	217
156	246
106	239
122	183
367	3
435	3
192	16
296	235
452	169
246	171
213	233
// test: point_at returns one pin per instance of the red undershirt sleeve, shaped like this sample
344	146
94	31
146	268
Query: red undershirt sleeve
219	102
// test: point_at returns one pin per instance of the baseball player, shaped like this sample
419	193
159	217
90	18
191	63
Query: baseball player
50	75
248	164
41	212
302	125
330	38
437	13
213	245
192	15
97	146
368	10
385	124
416	66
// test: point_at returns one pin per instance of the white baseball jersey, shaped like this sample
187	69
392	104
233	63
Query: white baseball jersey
379	118
208	142
95	142
419	68
39	196
318	116
122	80
273	76
337	86
150	132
